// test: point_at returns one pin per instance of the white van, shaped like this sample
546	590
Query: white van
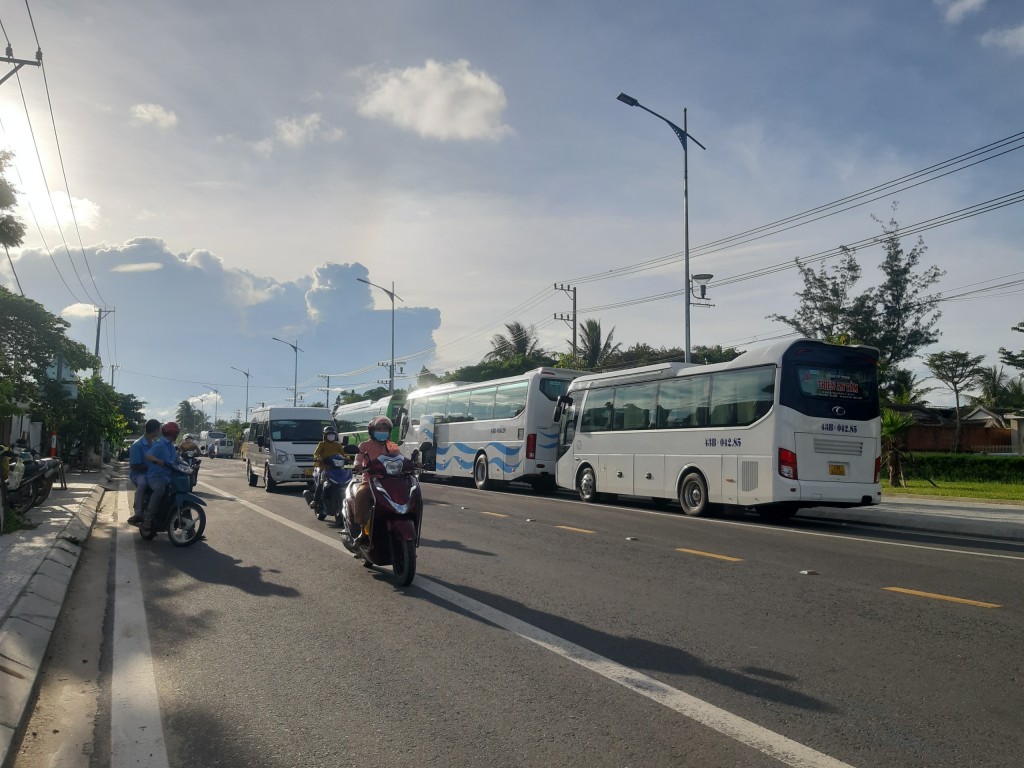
281	442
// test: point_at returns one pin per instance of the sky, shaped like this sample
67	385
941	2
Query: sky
214	175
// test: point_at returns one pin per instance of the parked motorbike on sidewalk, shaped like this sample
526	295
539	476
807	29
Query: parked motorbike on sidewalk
396	513
180	514
192	459
335	478
27	478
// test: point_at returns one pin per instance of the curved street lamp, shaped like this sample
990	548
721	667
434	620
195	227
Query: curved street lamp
246	374
295	380
682	135
391	295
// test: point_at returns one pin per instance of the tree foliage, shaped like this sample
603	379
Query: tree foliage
960	372
12	229
498	369
898	316
521	342
594	347
1016	359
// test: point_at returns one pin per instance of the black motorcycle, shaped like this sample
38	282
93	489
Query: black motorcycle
180	513
192	459
27	478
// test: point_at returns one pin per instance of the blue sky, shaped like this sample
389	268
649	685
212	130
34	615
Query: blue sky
236	166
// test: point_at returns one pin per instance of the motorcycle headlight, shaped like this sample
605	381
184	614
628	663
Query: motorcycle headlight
281	456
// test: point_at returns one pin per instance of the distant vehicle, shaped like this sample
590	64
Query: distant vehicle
492	431
126	444
792	425
353	418
281	444
224	446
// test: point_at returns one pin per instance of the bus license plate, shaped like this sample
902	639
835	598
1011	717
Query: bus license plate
837	469
309	473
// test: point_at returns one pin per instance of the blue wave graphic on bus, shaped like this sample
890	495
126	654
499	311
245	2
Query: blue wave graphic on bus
553	436
464	456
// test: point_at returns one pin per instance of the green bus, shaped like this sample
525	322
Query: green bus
352	418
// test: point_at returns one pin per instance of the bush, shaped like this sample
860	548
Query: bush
966	467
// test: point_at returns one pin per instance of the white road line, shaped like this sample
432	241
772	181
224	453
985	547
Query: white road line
735	727
136	729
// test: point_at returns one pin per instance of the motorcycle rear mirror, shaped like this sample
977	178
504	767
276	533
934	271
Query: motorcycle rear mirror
349	449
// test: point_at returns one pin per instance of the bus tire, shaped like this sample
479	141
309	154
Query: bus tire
587	486
693	495
481	476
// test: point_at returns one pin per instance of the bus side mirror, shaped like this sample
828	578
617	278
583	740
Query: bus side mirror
259	441
561	404
349	450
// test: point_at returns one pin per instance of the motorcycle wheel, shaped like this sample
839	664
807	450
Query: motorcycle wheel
403	558
25	498
186	525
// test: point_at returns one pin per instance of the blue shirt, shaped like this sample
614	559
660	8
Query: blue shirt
137	455
162	449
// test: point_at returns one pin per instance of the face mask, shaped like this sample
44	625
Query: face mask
332	438
381	436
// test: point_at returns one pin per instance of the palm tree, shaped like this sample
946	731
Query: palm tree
905	388
994	386
894	425
520	342
595	350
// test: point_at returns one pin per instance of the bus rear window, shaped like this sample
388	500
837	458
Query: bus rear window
553	388
832	391
838	384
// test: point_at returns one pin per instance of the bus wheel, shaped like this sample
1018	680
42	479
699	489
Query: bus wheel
693	495
588	485
480	474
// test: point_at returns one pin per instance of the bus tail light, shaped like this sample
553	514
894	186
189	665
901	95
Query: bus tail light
878	467
531	446
787	464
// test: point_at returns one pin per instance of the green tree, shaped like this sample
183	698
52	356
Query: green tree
960	372
521	342
191	419
427	379
12	229
895	426
97	414
1016	359
594	347
497	369
906	388
993	388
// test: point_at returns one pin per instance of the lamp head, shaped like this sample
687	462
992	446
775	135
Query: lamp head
628	100
702	279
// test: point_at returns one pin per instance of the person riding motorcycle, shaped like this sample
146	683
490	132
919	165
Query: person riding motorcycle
188	443
327	448
378	445
162	455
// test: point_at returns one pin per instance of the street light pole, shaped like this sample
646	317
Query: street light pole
295	380
391	295
682	135
246	374
216	402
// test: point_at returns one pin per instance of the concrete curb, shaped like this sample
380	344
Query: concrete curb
26	632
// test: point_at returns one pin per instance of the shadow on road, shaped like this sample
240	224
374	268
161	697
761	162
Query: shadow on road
636	652
206	564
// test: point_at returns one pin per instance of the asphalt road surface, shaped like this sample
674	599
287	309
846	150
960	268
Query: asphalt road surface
539	631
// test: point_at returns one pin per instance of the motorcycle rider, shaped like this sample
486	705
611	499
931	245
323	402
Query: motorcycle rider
139	468
162	455
188	443
327	448
378	445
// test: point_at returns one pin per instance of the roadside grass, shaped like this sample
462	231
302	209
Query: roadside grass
980	490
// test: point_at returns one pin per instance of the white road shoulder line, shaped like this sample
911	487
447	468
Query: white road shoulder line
744	731
136	729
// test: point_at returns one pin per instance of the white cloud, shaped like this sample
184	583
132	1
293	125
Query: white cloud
439	101
154	114
956	11
145	266
301	130
75	210
78	311
1011	39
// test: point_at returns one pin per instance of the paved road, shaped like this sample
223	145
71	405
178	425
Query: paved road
538	634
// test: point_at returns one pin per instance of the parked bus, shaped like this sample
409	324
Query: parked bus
224	445
352	418
792	425
493	431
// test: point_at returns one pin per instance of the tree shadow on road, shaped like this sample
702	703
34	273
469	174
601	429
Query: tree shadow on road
637	652
206	564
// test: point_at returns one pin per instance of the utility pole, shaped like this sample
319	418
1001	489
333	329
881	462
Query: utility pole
113	367
100	314
19	63
571	292
326	390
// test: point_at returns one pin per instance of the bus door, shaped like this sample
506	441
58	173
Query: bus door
615	473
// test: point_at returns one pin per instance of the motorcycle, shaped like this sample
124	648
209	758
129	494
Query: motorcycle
396	513
192	459
29	481
335	479
180	513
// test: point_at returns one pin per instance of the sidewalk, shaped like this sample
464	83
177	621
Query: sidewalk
36	567
970	517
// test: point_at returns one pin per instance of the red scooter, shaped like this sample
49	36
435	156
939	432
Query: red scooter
395	517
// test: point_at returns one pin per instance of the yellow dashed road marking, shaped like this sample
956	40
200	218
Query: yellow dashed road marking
710	554
569	528
947	598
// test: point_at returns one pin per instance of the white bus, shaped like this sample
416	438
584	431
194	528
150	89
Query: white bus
353	418
788	426
493	431
224	446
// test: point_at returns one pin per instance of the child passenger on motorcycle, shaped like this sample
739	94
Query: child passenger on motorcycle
327	448
378	445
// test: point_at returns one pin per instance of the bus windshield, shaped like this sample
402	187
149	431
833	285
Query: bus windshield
844	386
296	431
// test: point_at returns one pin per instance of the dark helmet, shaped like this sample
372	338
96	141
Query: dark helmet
170	429
382	423
329	430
